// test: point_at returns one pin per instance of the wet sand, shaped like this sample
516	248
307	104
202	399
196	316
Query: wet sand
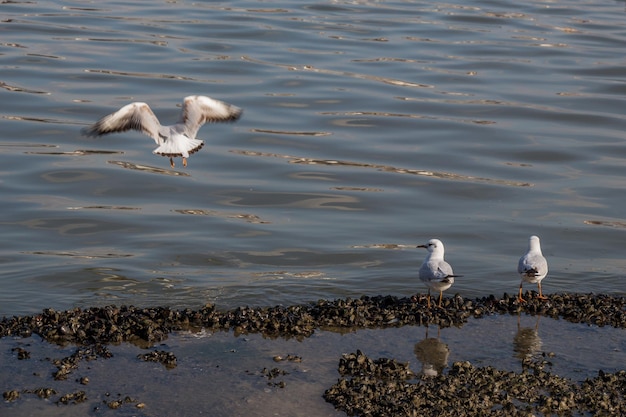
370	356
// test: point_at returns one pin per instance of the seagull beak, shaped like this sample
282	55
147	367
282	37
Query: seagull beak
422	246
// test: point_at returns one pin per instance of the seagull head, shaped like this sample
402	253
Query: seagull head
433	246
533	244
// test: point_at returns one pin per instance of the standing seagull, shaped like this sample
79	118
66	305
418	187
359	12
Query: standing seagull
435	272
532	267
176	140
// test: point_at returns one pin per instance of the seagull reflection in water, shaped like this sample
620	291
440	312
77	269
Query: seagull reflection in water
433	354
526	342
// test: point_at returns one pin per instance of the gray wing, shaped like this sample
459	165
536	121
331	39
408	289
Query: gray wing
444	270
134	116
198	110
436	271
522	266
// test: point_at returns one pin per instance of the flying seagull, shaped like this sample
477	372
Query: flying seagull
175	140
532	267
435	272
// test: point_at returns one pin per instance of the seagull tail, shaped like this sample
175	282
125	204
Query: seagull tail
179	146
531	273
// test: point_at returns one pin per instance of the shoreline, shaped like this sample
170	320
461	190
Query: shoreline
113	324
100	344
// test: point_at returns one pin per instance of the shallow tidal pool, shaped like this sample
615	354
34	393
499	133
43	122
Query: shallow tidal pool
220	374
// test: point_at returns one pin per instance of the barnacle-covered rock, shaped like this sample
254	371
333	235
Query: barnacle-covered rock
112	324
167	359
382	387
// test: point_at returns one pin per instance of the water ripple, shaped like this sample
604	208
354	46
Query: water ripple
365	121
385	80
81	255
249	218
147	168
385	168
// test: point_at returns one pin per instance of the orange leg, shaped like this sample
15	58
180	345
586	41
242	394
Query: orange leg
519	297
541	296
172	162
428	298
440	298
184	162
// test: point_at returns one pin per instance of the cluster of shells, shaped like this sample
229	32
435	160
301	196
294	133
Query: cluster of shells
112	324
68	364
70	398
167	359
385	387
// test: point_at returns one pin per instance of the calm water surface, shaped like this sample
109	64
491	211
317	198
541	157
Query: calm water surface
369	127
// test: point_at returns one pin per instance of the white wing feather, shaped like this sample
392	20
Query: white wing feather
134	116
198	110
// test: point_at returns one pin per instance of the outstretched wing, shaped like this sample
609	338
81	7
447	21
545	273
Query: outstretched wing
134	116
198	110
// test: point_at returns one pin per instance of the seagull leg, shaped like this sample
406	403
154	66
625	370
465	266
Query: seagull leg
541	296
184	162
428	298
171	162
519	297
440	298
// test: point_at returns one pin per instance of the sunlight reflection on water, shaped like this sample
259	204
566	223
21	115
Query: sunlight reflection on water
369	127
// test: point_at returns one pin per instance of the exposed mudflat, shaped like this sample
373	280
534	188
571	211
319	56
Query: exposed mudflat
490	356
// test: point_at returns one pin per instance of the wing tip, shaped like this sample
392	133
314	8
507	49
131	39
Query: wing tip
91	131
219	111
234	113
86	131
